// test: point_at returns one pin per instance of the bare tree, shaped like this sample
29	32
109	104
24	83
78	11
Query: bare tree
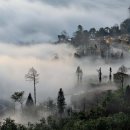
32	75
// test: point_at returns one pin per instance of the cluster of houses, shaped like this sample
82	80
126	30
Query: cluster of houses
105	47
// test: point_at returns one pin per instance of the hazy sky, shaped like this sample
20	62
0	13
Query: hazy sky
42	20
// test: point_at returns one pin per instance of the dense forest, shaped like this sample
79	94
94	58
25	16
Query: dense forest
111	112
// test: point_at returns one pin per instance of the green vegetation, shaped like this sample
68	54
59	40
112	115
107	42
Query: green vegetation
111	113
82	36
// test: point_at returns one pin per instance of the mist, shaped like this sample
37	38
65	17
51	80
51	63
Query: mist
55	64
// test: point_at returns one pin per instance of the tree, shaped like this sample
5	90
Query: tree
51	121
100	75
9	124
110	74
92	32
18	97
102	32
32	75
79	74
29	102
125	26
121	76
107	29
50	105
115	31
80	28
127	94
78	38
63	37
61	102
122	69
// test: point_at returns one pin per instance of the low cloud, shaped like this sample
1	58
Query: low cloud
55	64
30	21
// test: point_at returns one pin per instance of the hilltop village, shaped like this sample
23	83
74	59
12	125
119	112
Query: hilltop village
109	42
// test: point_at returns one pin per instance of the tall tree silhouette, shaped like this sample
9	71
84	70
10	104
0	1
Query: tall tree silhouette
29	102
33	76
61	102
110	74
100	74
79	74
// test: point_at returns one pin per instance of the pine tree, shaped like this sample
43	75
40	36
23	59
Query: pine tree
61	102
110	74
29	102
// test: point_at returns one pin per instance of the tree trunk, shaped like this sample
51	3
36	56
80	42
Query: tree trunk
22	107
35	91
14	107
